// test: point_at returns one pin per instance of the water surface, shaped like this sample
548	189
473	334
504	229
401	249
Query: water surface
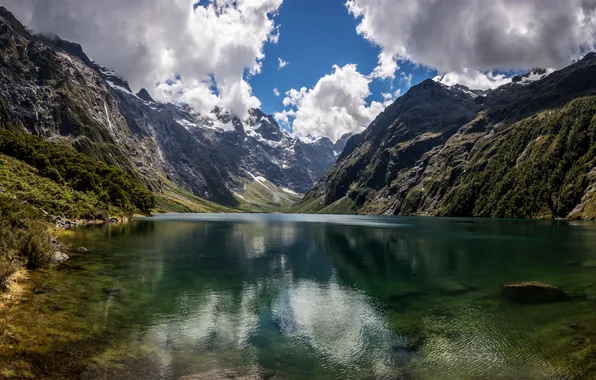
333	297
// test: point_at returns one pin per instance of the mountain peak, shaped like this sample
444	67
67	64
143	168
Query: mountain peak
144	94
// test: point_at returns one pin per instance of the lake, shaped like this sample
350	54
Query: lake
248	296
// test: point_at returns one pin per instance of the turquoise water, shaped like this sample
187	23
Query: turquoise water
337	297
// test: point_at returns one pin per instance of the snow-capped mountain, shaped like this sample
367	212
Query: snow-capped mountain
58	93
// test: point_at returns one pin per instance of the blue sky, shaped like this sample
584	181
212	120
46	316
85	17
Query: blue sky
314	36
475	43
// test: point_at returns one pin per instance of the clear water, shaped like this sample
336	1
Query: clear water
333	297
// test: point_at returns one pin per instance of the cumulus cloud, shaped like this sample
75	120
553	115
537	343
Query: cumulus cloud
468	36
281	63
276	92
334	106
199	47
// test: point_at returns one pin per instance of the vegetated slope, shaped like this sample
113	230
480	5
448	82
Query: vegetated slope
63	165
524	150
50	87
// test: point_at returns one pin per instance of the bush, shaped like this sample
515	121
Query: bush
62	164
24	239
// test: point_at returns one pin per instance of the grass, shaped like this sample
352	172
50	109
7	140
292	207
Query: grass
178	200
24	238
261	195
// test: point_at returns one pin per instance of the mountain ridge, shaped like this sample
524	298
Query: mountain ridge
53	90
417	156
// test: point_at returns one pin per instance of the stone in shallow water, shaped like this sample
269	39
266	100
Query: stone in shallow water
532	292
58	258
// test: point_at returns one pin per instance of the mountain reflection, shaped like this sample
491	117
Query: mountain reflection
264	286
329	300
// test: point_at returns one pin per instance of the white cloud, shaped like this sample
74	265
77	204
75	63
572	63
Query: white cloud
281	63
476	35
406	79
474	80
335	106
148	42
389	97
284	117
276	92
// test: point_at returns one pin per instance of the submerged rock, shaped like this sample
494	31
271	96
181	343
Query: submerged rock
58	258
532	292
81	250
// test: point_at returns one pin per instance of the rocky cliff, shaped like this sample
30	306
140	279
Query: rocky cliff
526	149
53	90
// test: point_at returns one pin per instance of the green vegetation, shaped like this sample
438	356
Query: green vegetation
175	199
261	195
24	240
23	181
537	168
64	166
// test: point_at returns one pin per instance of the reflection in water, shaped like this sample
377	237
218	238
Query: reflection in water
358	297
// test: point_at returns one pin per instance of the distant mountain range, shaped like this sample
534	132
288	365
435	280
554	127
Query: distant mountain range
55	91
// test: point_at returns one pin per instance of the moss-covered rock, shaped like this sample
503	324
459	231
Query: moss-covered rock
532	293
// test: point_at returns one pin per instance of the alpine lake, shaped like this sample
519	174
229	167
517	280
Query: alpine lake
251	296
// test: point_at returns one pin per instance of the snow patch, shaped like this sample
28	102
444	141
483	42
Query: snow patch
289	191
226	127
533	77
240	196
119	88
258	178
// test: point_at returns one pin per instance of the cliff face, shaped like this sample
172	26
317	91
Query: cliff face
526	149
52	89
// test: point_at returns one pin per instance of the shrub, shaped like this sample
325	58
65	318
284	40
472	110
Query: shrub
62	164
24	239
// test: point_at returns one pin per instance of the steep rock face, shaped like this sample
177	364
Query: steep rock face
58	97
525	150
55	91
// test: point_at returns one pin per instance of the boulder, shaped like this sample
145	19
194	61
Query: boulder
81	250
58	258
532	293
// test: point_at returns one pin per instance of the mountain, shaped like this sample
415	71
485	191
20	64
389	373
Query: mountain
50	88
524	150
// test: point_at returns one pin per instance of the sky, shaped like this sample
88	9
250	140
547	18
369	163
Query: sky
321	67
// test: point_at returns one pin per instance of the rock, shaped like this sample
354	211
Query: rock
2	190
114	220
532	292
81	250
58	258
